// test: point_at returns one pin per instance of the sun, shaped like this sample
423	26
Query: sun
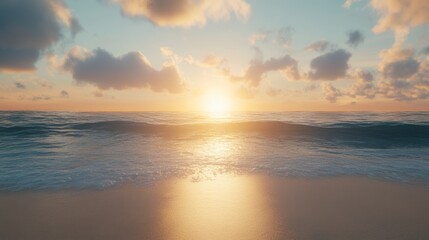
216	104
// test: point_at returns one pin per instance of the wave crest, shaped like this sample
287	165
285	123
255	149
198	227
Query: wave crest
375	134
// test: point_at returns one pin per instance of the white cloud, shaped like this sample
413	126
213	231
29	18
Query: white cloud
184	13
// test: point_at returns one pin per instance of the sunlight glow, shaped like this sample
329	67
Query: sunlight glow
216	104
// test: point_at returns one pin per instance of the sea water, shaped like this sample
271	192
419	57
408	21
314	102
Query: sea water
64	150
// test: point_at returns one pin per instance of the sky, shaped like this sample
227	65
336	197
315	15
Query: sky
188	55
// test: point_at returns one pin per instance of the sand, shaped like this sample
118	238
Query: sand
228	207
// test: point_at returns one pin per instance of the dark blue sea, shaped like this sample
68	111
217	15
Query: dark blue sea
64	150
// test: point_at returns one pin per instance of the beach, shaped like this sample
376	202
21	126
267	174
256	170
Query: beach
293	176
228	206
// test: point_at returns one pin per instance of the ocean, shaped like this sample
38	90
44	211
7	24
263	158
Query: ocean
65	150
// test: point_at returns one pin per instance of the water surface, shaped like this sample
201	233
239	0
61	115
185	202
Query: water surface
60	150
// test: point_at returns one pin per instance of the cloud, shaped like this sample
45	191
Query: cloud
258	68
64	94
425	50
404	77
398	63
258	36
310	88
403	90
400	15
184	13
208	61
65	16
212	61
364	76
41	98
46	84
330	66
173	58
355	38
27	27
282	36
399	89
16	59
401	76
132	70
319	46
349	3
330	92
363	85
166	51
19	85
401	69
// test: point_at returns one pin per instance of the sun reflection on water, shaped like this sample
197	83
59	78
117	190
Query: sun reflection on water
211	155
217	148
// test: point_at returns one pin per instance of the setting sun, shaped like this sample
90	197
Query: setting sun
216	104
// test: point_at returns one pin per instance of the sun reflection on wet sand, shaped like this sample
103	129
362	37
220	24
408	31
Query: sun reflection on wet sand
239	207
228	207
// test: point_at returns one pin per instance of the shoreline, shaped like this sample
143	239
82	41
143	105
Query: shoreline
227	207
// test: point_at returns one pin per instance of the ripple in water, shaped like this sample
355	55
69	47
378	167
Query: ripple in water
86	150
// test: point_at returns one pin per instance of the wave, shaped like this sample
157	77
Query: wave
387	133
380	129
90	153
389	129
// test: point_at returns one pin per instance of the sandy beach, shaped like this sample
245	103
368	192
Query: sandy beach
227	207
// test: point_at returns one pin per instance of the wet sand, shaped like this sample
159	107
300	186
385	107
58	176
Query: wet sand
228	207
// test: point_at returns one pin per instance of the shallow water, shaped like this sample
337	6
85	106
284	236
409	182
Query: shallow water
56	150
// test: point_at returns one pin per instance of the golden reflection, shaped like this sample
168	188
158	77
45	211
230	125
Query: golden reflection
212	204
228	207
216	148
